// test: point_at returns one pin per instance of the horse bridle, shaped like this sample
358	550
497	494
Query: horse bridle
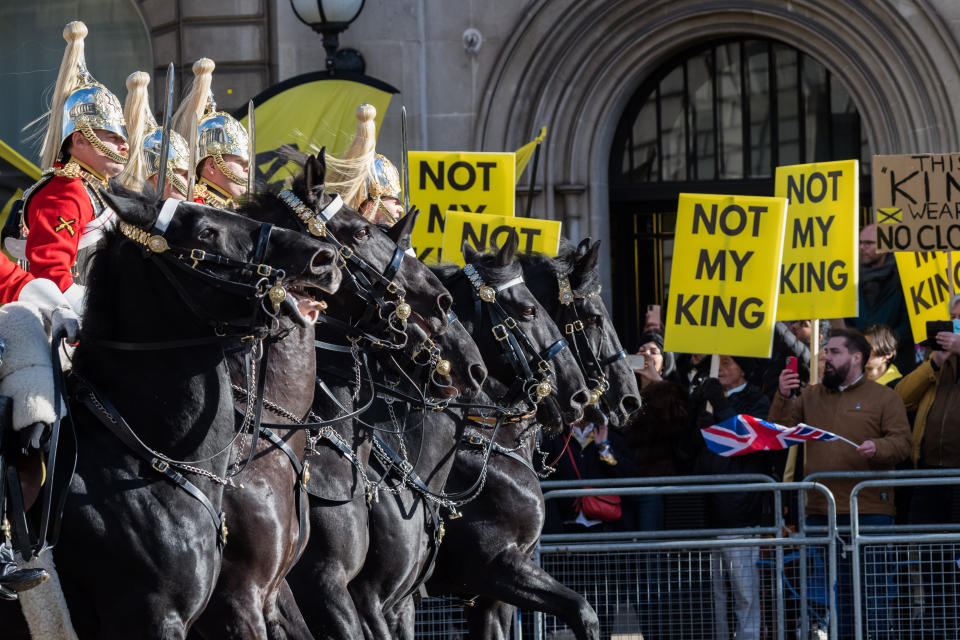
590	362
534	382
372	286
267	287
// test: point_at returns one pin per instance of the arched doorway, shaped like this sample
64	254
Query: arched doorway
717	118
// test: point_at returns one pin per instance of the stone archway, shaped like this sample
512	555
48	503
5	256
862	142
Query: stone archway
574	64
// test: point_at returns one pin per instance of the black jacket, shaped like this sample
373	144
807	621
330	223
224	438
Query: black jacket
589	465
738	508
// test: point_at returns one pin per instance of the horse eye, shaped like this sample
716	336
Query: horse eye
595	320
361	233
207	234
530	312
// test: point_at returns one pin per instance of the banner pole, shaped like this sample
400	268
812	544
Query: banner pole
714	370
533	178
950	275
814	351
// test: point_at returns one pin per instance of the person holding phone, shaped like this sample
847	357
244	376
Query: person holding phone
932	390
850	405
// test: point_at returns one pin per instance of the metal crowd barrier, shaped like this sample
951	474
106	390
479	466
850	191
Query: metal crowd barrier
904	579
656	585
661	584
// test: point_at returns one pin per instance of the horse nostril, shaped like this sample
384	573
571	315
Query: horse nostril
322	259
580	399
478	373
445	301
629	404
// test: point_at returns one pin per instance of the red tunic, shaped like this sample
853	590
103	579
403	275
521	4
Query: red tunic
12	280
56	214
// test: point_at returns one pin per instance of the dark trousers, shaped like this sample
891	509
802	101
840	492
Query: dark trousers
878	587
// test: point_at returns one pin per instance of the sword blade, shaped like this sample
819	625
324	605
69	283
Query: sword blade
404	168
192	153
251	151
165	137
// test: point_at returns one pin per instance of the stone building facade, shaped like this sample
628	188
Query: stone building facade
577	66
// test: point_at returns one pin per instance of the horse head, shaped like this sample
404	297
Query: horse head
524	349
569	288
214	257
622	396
383	275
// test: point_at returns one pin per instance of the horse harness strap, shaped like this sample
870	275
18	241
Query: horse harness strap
410	477
509	336
370	284
478	441
302	470
119	428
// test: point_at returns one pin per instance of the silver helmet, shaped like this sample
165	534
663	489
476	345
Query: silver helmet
178	156
218	134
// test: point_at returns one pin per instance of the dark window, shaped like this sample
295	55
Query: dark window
717	119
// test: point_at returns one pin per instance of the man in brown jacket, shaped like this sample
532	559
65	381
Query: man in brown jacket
850	405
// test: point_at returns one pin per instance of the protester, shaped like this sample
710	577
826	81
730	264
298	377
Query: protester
716	400
856	408
883	349
661	433
932	390
881	298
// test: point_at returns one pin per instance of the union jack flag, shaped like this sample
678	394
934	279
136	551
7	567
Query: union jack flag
745	434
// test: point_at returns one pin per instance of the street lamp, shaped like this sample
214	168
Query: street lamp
329	18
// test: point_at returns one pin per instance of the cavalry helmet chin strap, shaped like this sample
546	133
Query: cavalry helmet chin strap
509	335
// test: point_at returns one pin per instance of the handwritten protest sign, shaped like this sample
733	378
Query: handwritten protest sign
456	181
488	233
725	274
917	199
926	287
820	268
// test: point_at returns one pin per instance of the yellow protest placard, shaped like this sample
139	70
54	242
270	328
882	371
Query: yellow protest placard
820	268
926	289
488	233
725	274
442	181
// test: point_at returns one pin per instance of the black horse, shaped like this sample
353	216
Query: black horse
140	554
404	528
268	538
487	554
377	270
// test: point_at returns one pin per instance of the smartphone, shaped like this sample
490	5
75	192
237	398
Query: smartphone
636	362
933	328
792	363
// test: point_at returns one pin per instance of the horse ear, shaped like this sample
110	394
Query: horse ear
314	173
508	250
583	247
470	254
136	211
400	232
589	261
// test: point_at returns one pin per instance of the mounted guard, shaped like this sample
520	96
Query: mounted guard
146	141
365	179
222	142
85	145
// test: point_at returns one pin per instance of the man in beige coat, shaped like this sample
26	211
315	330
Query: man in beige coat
850	405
